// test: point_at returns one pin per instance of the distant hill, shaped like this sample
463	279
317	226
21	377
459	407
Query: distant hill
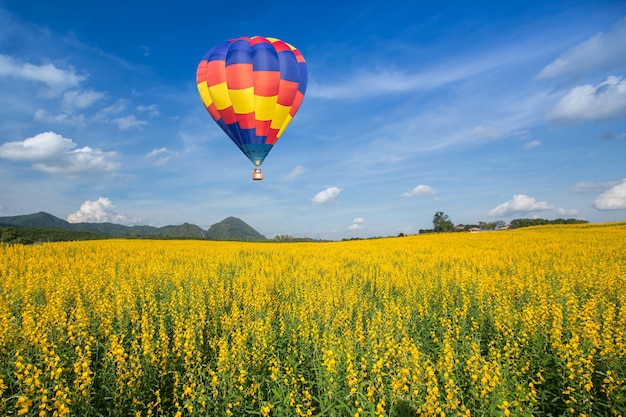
40	219
230	228
185	230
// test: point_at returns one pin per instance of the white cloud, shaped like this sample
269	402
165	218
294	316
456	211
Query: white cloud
604	51
588	102
520	203
98	211
53	77
532	144
612	199
357	224
128	122
51	152
40	147
326	196
299	169
419	190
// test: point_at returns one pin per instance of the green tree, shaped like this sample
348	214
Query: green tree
9	234
442	222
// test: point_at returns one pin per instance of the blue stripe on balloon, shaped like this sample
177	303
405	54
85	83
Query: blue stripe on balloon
288	66
264	57
302	77
239	53
218	52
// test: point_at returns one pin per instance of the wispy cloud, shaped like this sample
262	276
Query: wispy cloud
161	156
128	122
386	80
592	187
606	51
80	99
151	109
299	169
487	132
532	144
61	118
567	212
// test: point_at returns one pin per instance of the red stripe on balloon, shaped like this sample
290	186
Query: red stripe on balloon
271	136
215	114
281	46
239	76
266	83
263	127
246	121
297	101
228	114
201	71
287	92
215	72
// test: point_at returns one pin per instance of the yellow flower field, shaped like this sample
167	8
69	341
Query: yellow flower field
524	322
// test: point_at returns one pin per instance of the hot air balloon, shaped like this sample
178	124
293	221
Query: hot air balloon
252	87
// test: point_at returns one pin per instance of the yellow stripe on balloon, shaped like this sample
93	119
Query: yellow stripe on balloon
282	129
203	89
264	107
220	96
280	115
243	100
272	40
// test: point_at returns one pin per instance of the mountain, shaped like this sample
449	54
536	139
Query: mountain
40	219
230	228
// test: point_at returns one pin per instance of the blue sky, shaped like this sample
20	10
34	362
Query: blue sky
483	110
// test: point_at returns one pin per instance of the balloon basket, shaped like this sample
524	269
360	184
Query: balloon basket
257	175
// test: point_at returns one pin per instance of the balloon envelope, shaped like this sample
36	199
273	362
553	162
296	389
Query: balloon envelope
252	87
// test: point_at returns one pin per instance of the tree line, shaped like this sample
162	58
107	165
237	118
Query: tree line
442	224
30	235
